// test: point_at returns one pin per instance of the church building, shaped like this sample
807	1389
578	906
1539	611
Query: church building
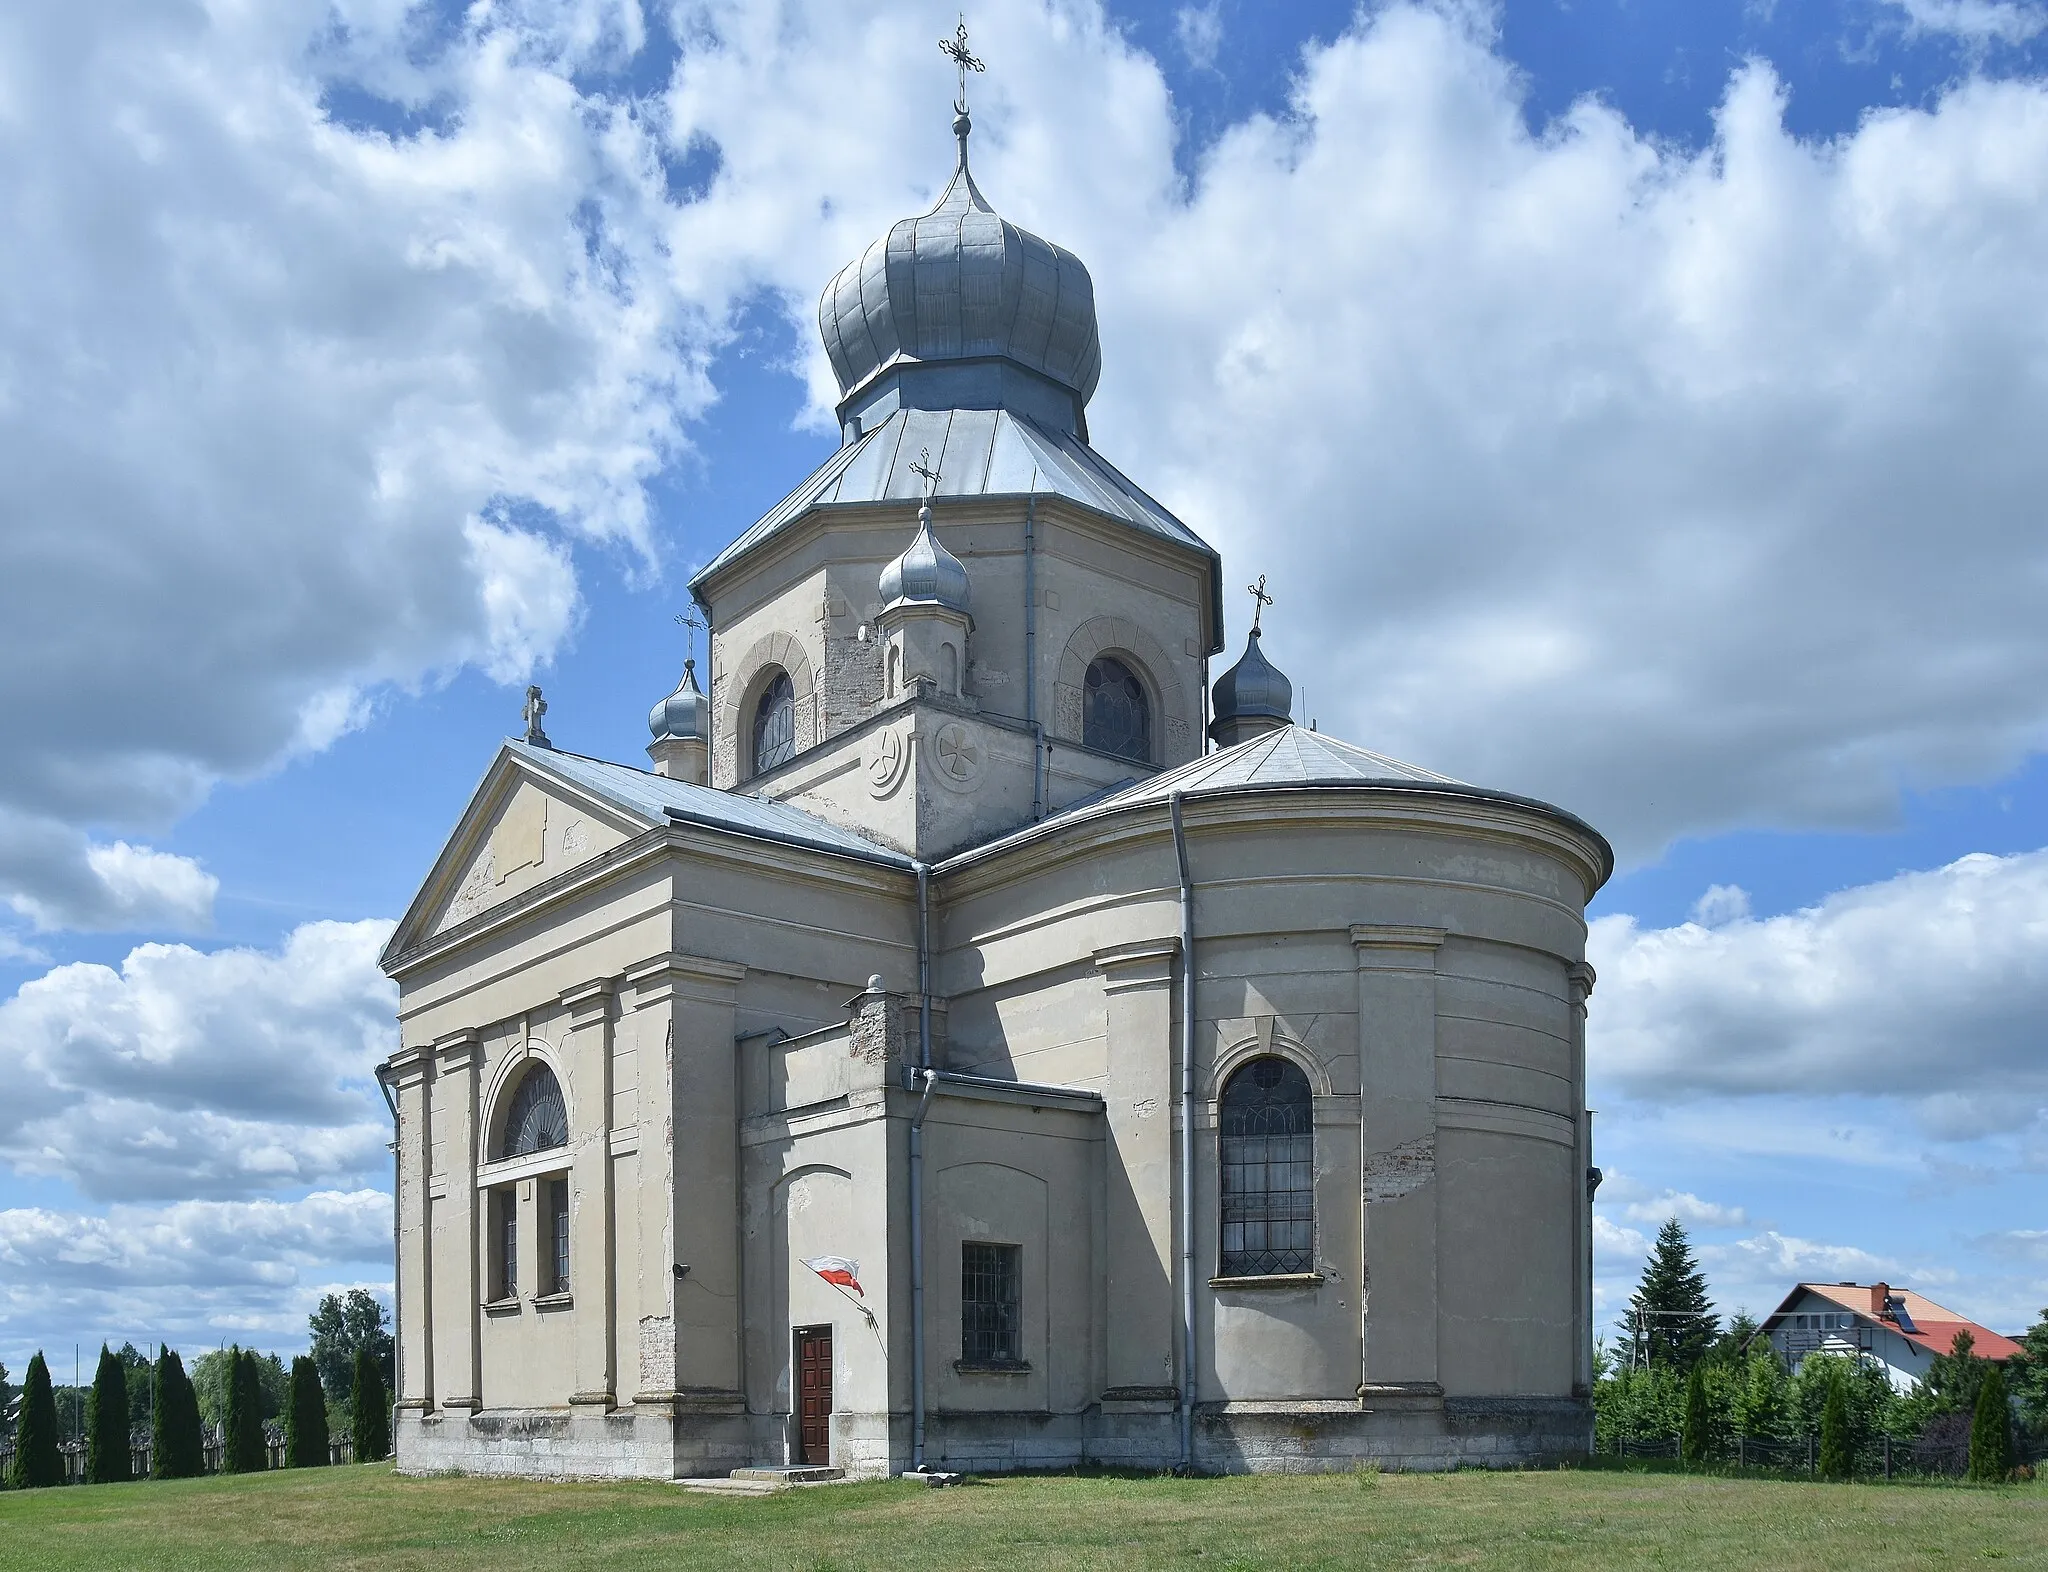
976	1042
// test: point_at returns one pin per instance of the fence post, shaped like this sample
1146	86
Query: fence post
1887	1456
1809	1451
1741	1450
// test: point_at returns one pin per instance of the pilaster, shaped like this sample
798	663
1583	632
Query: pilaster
688	1004
1398	1139
592	1248
410	1075
458	1059
1579	979
1141	1325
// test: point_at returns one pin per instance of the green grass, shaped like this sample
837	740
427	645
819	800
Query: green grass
1580	1519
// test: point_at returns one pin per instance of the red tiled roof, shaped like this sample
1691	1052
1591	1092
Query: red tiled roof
1935	1325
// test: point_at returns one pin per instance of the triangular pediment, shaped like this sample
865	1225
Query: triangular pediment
523	826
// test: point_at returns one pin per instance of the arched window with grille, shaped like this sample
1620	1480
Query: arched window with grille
1266	1129
537	1119
775	723
1116	717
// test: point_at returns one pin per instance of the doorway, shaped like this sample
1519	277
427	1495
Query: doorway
814	1395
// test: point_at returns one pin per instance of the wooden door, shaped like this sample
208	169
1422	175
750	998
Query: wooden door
814	1395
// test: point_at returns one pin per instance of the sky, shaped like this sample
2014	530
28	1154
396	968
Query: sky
1632	406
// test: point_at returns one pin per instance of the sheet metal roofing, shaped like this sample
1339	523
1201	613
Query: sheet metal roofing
659	800
978	453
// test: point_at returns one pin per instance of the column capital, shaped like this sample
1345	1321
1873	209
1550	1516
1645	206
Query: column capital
409	1067
1396	946
675	975
588	1002
1140	963
461	1050
1580	976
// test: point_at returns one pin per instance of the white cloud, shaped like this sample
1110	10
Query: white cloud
1930	987
1688	1209
191	1273
191	1074
57	877
1975	21
1198	29
1722	903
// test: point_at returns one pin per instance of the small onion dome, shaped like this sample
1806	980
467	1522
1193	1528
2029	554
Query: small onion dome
1253	689
685	714
927	573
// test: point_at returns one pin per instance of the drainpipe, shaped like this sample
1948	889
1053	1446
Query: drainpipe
1187	1138
924	1104
1031	657
397	1284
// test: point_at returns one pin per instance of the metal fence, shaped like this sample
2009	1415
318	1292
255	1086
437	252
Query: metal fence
340	1449
1883	1456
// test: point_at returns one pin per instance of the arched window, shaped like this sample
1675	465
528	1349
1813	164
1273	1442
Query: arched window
538	1120
1115	717
775	724
1266	1120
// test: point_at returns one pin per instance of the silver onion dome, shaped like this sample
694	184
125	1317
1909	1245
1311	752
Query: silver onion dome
962	284
685	714
927	573
1253	689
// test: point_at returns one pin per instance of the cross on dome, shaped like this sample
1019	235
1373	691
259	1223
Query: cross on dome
1260	601
955	50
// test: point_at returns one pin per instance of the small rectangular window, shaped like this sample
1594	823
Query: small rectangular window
558	1214
505	1235
991	1310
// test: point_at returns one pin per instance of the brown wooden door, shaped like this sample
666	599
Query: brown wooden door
814	1394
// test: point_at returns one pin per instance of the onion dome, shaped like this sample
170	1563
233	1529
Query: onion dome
685	715
927	574
959	287
1252	696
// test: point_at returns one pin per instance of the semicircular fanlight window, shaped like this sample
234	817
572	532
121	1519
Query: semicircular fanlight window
538	1120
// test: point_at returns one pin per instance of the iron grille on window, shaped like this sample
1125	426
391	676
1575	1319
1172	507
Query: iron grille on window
990	1311
558	1214
538	1120
1114	716
507	1205
775	724
1268	1152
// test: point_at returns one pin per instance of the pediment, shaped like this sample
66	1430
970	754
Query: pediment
522	827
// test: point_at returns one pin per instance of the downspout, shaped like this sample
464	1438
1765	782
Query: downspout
1031	657
924	1104
397	1284
1187	1138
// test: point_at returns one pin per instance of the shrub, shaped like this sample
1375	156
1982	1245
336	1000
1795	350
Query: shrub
243	1450
1991	1429
177	1449
370	1410
106	1423
305	1417
1837	1444
36	1461
1698	1424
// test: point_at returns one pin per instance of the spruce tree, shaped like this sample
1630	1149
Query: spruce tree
36	1459
106	1423
1695	1433
177	1448
370	1408
1671	1320
1991	1429
305	1417
1837	1447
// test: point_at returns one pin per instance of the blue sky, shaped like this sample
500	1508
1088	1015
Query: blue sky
1712	540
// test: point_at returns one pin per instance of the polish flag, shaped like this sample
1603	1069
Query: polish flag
838	1271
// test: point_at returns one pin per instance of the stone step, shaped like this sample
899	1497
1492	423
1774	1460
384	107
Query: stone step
731	1487
789	1474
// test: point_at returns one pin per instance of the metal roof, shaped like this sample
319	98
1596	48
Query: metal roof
659	800
978	453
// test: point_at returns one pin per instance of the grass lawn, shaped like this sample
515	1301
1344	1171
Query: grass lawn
1592	1518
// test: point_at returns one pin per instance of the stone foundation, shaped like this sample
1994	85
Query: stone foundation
575	1443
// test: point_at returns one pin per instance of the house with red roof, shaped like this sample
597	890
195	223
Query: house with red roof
1895	1327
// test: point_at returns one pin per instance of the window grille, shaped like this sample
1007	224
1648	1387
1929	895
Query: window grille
558	1212
1267	1147
991	1310
538	1120
1115	717
775	724
507	1205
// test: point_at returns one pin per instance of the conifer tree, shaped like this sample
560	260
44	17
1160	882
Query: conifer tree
305	1417
1695	1433
370	1410
2029	1377
1837	1447
1991	1429
177	1448
242	1450
36	1460
106	1423
1671	1320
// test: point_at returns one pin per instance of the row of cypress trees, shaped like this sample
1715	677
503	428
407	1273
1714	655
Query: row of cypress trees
177	1438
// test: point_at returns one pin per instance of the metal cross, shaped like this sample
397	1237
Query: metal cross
923	467
689	620
1260	600
955	50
